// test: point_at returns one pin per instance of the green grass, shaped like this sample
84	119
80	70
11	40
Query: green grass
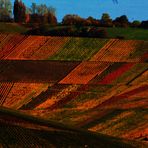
11	28
79	49
128	33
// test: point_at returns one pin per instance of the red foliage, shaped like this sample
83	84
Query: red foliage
115	74
144	57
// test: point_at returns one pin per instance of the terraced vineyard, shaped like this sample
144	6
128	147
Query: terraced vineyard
96	84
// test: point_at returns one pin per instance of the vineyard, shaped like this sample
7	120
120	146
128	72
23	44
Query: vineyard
20	47
18	129
96	84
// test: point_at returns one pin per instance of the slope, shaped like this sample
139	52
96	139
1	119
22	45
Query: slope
18	129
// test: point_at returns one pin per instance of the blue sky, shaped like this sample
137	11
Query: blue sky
134	9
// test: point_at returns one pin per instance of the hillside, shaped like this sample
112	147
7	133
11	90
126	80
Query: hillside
96	84
127	33
18	129
20	47
112	32
12	28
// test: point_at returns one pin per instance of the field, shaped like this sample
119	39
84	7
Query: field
113	32
20	47
128	33
12	28
37	132
95	84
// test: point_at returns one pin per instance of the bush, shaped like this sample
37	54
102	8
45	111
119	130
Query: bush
100	33
144	24
135	24
120	37
121	21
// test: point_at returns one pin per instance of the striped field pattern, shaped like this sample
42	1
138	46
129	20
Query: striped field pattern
95	84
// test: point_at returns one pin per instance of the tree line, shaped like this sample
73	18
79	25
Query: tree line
43	14
19	13
105	21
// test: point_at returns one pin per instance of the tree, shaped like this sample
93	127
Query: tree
96	32
52	10
42	9
72	20
106	21
42	14
22	12
121	21
135	23
33	8
19	11
16	10
51	19
5	10
92	21
144	24
105	17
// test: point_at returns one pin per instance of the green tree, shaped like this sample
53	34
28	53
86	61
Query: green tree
42	9
5	10
52	10
72	20
105	17
136	23
121	21
106	20
42	14
33	8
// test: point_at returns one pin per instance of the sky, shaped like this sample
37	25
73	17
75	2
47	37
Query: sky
134	9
